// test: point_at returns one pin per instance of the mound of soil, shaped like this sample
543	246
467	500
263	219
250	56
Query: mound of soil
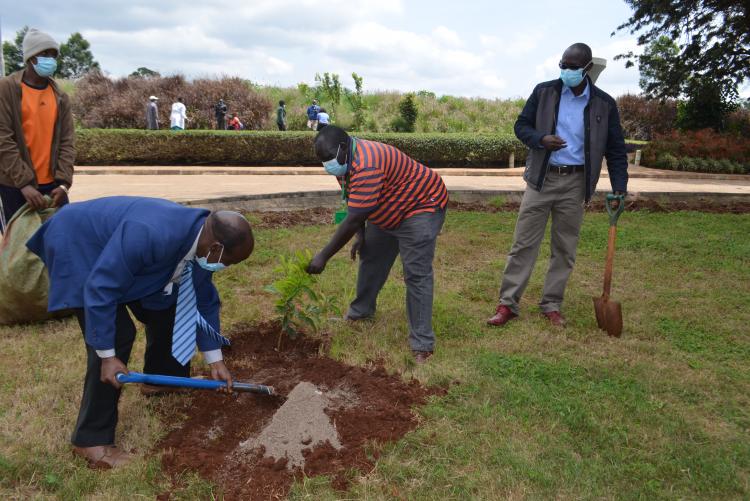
367	406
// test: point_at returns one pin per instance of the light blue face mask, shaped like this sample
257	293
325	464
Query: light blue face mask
45	66
333	167
212	267
572	78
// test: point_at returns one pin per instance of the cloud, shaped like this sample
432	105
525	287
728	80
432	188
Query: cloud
511	46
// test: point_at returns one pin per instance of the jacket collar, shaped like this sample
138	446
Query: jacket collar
17	78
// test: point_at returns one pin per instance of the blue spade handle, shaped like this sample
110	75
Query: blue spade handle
188	382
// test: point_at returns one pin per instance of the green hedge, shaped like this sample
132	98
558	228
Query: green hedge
140	147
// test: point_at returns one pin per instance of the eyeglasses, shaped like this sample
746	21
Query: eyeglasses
564	66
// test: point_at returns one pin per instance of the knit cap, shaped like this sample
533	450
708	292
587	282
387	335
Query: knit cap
37	41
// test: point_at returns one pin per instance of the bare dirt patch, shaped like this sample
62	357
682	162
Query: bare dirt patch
236	441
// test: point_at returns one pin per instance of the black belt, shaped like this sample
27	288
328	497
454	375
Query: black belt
566	169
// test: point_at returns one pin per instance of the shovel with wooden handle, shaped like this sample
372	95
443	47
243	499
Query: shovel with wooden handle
608	312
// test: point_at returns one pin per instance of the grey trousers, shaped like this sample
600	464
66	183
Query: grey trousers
415	240
562	197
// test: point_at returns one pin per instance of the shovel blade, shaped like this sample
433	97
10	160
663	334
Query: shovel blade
608	316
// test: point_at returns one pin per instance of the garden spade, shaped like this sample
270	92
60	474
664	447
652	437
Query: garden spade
188	382
608	312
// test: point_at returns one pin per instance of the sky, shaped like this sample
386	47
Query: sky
492	49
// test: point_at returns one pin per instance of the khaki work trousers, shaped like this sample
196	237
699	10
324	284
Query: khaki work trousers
562	196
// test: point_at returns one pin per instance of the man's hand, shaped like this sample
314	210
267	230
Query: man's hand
357	246
317	265
35	199
111	366
553	143
219	372
59	197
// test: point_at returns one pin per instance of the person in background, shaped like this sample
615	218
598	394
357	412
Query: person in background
569	126
235	123
312	115
323	118
178	116
152	114
37	134
109	257
281	115
220	110
396	206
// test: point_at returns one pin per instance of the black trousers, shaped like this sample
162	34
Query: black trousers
11	199
97	418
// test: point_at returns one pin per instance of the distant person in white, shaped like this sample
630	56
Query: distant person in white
178	116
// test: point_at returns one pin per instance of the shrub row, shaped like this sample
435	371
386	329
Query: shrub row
100	101
198	147
692	164
702	151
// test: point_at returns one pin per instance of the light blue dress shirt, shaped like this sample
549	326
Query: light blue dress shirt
570	127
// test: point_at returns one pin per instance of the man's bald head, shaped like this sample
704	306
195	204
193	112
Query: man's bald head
228	234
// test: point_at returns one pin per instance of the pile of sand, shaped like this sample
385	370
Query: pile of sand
301	423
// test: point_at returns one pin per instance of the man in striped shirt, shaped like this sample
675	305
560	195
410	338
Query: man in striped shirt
395	206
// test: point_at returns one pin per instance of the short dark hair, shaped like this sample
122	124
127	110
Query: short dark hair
281	103
583	49
323	110
328	140
179	99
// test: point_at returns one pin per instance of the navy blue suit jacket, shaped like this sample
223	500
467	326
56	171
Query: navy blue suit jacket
115	250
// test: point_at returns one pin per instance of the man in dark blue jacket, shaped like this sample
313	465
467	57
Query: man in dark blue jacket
570	126
156	259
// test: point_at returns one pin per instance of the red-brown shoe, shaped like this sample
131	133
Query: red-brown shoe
502	316
555	318
103	457
421	357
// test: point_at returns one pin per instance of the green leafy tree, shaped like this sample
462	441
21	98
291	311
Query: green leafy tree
144	72
707	105
661	69
356	101
713	39
330	86
13	52
76	58
407	110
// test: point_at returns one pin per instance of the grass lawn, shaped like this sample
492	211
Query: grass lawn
532	412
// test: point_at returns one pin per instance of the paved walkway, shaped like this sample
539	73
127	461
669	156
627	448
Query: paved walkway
183	184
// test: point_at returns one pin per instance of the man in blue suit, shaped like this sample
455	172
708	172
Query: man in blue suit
156	259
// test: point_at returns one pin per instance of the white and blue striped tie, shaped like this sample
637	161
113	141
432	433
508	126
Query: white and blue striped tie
187	319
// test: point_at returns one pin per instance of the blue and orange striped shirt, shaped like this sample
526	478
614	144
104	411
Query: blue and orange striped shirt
389	186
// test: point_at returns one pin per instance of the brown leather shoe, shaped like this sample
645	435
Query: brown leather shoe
152	390
421	357
502	316
103	457
555	318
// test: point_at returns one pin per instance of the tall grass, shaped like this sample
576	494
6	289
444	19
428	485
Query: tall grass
436	114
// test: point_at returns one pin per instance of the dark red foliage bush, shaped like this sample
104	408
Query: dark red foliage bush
102	102
643	118
705	143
